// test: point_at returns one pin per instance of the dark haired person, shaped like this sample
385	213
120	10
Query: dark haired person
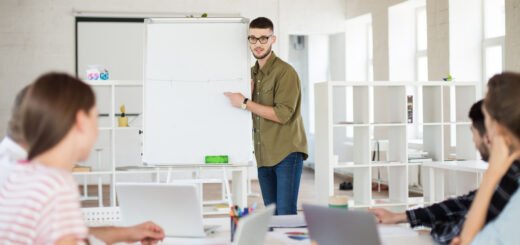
447	218
502	111
279	136
39	199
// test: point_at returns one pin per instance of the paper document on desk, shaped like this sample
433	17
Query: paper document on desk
395	231
287	221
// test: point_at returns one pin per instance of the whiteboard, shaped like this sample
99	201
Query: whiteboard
188	65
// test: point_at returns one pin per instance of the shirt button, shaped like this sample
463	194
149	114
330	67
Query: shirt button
257	93
259	81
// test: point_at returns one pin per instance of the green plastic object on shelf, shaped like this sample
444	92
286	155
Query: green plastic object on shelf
222	159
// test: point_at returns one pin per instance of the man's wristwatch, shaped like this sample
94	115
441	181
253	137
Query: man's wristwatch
244	103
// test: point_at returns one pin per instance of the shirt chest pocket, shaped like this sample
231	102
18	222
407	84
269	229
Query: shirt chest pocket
266	95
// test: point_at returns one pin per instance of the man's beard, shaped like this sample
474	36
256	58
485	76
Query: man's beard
264	55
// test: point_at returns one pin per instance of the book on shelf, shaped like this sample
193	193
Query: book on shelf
80	168
410	108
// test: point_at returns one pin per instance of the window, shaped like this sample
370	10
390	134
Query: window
493	43
494	18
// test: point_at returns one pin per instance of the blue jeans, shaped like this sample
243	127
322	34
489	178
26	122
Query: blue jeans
280	183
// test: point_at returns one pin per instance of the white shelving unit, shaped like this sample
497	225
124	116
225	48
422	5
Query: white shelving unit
388	101
106	156
104	171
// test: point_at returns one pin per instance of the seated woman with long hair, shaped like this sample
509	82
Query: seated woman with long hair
502	120
39	199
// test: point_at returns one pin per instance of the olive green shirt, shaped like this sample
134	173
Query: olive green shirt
277	85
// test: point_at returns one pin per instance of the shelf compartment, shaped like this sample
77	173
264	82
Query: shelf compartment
398	184
390	105
103	104
433	141
391	142
465	96
350	104
351	145
362	188
131	97
467	150
431	99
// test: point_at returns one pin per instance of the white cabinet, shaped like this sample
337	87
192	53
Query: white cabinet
379	119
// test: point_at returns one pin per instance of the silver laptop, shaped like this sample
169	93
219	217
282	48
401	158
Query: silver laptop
176	208
253	228
338	226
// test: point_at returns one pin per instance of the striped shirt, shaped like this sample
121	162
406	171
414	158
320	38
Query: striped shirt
447	218
40	205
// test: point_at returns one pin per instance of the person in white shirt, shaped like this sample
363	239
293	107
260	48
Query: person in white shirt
12	147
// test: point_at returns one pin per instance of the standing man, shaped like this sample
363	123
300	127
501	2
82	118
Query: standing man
279	135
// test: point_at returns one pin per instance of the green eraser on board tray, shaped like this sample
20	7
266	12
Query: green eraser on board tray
221	159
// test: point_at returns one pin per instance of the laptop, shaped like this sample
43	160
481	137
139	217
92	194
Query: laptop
253	228
176	208
338	226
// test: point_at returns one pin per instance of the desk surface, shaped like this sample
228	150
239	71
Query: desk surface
476	166
390	235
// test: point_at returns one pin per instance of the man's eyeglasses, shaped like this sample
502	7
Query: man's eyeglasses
262	39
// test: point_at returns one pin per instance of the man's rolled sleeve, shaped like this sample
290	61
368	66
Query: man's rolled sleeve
287	95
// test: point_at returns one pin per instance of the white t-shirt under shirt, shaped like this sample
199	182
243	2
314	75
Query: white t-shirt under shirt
10	154
40	205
